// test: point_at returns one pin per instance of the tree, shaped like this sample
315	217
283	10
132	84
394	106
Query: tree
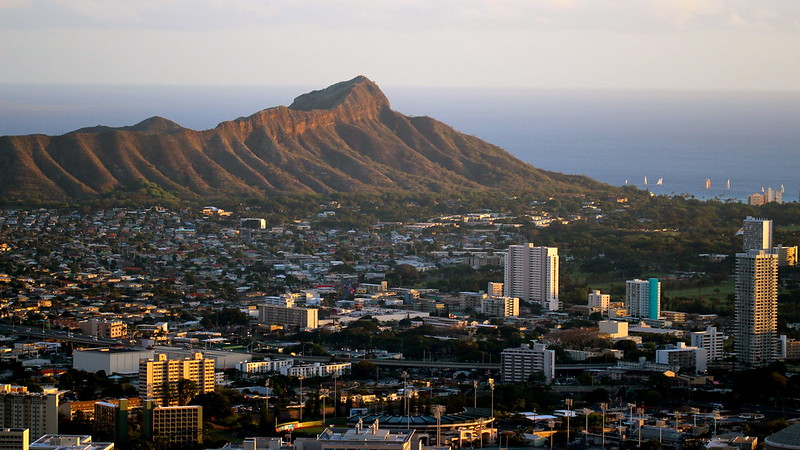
187	390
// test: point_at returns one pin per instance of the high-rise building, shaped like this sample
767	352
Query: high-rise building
756	339
787	256
500	306
643	298
160	378
531	274
757	234
711	340
599	302
518	364
35	411
111	419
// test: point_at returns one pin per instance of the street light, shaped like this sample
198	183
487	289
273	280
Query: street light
475	388
323	393
640	419
437	412
568	402
551	423
660	424
491	388
302	405
335	397
406	408
586	413
603	407
716	416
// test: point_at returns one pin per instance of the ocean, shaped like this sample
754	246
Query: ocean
682	138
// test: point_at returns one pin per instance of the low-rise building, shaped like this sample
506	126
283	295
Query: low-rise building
518	364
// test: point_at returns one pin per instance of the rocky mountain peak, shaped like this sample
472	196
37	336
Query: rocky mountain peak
359	93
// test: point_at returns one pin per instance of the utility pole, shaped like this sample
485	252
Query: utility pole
437	412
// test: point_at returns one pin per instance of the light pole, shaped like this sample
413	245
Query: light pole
603	407
405	398
640	419
551	423
437	412
302	405
475	389
716	416
491	388
586	413
335	397
323	394
660	424
568	402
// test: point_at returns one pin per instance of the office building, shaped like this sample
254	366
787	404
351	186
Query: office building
361	438
518	364
69	442
789	348
711	340
692	358
643	298
757	234
531	274
14	438
172	424
110	360
34	411
317	370
500	306
266	366
160	378
286	316
756	309
613	328
599	302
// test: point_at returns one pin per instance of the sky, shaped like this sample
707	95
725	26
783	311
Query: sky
584	44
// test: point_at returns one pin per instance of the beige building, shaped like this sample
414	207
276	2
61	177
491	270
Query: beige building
787	256
500	306
614	328
281	315
172	424
159	378
531	274
317	370
14	439
711	340
756	308
102	328
69	442
599	302
518	364
34	411
495	289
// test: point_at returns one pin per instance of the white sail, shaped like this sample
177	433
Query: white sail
645	181
729	184
660	182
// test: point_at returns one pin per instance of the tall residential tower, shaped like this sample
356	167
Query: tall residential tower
643	298
531	274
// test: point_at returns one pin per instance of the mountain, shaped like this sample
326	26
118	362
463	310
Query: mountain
344	138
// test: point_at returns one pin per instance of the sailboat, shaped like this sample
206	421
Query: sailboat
660	182
645	181
729	184
708	183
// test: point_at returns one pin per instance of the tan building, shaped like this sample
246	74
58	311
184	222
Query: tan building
14	439
598	301
159	378
281	315
495	289
500	306
36	412
102	328
756	309
787	256
172	424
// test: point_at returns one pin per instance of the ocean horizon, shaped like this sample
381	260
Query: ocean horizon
683	138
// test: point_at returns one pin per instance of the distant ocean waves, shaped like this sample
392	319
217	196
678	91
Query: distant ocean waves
684	138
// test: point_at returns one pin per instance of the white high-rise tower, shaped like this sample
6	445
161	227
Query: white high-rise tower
756	341
757	234
531	274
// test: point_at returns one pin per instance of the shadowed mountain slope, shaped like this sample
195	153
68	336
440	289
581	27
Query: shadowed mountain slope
344	138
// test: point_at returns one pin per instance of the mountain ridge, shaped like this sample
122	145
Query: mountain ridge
344	138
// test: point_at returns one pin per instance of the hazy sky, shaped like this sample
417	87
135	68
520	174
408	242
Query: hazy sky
728	44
